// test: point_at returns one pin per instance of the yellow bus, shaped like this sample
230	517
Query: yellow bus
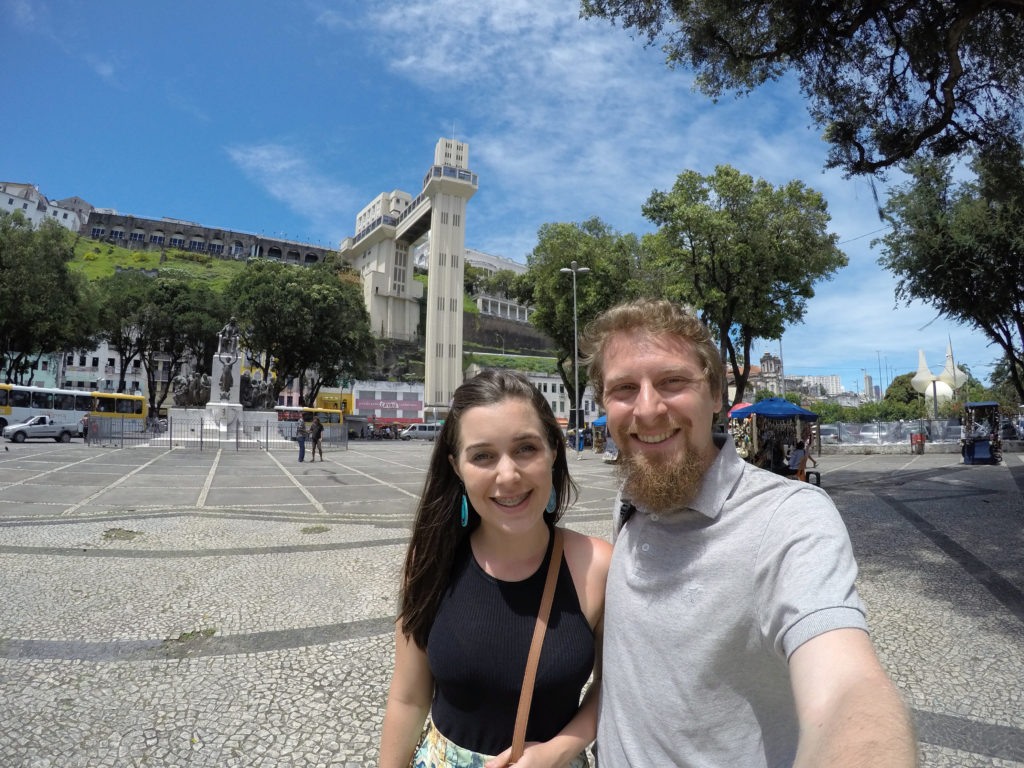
19	403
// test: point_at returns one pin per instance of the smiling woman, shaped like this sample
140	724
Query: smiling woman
482	544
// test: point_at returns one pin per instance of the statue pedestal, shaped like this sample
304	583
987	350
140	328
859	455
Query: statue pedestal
222	416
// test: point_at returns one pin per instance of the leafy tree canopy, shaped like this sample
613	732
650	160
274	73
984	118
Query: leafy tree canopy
959	246
44	307
613	261
303	323
901	391
176	323
885	80
1002	390
122	298
745	254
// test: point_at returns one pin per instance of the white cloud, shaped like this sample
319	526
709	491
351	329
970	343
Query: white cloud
287	175
102	67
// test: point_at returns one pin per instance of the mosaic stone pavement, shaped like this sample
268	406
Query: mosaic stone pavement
217	608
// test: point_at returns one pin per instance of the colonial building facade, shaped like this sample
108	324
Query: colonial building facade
140	233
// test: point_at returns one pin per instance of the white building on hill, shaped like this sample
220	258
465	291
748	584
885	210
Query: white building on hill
37	209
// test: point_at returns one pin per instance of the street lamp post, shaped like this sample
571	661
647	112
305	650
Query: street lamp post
576	269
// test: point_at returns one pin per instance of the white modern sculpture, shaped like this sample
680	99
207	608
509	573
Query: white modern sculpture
939	388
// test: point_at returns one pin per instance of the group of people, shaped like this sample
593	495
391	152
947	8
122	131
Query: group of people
721	628
315	432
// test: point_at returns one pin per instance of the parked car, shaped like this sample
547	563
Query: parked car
40	428
952	430
874	432
829	434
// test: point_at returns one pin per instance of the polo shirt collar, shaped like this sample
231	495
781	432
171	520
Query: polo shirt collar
719	481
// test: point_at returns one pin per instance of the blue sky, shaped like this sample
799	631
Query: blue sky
287	119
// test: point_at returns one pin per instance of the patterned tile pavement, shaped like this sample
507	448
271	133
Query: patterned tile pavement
216	608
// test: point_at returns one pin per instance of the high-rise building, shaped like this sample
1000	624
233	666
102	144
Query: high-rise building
832	384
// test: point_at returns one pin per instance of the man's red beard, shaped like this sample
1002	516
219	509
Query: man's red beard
661	485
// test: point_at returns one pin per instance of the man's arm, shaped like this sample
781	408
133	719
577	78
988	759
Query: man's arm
851	715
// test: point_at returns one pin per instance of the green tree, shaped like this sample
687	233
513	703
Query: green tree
474	279
500	283
901	391
44	307
959	246
122	298
745	254
177	324
1002	390
307	324
613	260
885	80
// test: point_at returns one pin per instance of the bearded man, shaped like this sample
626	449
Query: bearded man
734	635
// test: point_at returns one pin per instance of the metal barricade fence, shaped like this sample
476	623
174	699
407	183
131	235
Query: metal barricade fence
889	432
202	433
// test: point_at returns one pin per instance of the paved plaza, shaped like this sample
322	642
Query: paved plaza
222	608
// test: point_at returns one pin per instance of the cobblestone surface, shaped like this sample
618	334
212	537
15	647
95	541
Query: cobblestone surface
172	608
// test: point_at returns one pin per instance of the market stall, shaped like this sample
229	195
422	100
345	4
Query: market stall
765	431
599	426
980	443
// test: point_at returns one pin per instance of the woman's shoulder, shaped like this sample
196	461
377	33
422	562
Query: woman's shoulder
588	558
590	551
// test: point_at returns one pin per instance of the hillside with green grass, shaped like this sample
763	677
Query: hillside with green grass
96	259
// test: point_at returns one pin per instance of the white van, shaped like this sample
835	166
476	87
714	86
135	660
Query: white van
421	432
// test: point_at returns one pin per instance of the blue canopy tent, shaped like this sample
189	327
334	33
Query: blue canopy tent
774	408
600	421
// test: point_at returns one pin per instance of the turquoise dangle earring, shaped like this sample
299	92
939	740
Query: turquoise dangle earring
464	519
552	502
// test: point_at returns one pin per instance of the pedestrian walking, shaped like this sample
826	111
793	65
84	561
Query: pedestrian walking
300	437
316	434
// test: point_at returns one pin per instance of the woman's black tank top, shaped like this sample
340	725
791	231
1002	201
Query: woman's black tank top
477	651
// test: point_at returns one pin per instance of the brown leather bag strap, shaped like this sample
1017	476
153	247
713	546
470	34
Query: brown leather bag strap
526	695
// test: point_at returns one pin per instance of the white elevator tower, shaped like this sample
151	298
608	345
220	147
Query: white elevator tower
387	231
449	187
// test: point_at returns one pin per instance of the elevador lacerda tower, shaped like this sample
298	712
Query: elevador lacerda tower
388	232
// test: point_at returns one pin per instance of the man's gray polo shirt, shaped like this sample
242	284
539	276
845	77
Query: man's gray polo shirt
704	607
